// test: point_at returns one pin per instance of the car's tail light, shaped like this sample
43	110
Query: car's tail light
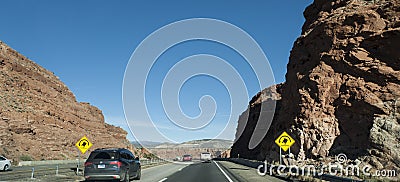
88	163
119	164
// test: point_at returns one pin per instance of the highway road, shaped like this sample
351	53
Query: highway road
221	171
158	173
203	172
200	172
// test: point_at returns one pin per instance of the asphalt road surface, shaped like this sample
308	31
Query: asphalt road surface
220	171
158	173
201	172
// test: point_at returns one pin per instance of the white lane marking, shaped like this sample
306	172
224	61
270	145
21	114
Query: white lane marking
223	172
163	180
180	169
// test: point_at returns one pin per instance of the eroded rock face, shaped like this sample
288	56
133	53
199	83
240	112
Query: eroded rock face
40	117
271	99
342	88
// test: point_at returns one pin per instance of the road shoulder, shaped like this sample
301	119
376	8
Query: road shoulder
244	173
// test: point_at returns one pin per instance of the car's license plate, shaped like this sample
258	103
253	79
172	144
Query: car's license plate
101	166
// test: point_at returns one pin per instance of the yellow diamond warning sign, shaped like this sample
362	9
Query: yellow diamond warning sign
83	144
284	141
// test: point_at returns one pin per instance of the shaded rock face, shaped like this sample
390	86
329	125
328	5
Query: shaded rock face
40	117
270	98
342	90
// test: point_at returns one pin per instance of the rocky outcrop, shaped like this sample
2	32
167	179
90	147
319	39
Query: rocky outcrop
342	90
40	118
270	98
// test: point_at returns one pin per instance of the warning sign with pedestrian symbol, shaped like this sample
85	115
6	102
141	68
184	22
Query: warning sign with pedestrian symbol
284	141
83	144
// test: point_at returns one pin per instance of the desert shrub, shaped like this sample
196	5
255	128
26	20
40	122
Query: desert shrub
25	158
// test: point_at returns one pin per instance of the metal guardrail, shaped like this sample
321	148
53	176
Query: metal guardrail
145	162
36	163
57	169
59	162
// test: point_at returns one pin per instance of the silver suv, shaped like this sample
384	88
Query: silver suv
5	164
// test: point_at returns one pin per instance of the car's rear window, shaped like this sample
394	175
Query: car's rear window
187	156
103	155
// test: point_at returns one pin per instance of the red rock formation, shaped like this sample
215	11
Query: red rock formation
40	117
342	88
226	154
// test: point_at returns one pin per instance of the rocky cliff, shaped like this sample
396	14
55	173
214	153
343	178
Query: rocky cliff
270	99
342	89
40	118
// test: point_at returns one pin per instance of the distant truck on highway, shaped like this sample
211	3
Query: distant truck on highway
205	156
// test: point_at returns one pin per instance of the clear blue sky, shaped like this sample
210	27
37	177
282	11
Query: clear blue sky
88	44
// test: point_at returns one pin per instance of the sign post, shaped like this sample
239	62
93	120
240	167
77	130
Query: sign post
83	145
284	141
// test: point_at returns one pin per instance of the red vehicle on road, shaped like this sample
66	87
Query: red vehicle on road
187	157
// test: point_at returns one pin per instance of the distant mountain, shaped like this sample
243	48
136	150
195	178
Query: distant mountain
147	144
207	143
203	143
